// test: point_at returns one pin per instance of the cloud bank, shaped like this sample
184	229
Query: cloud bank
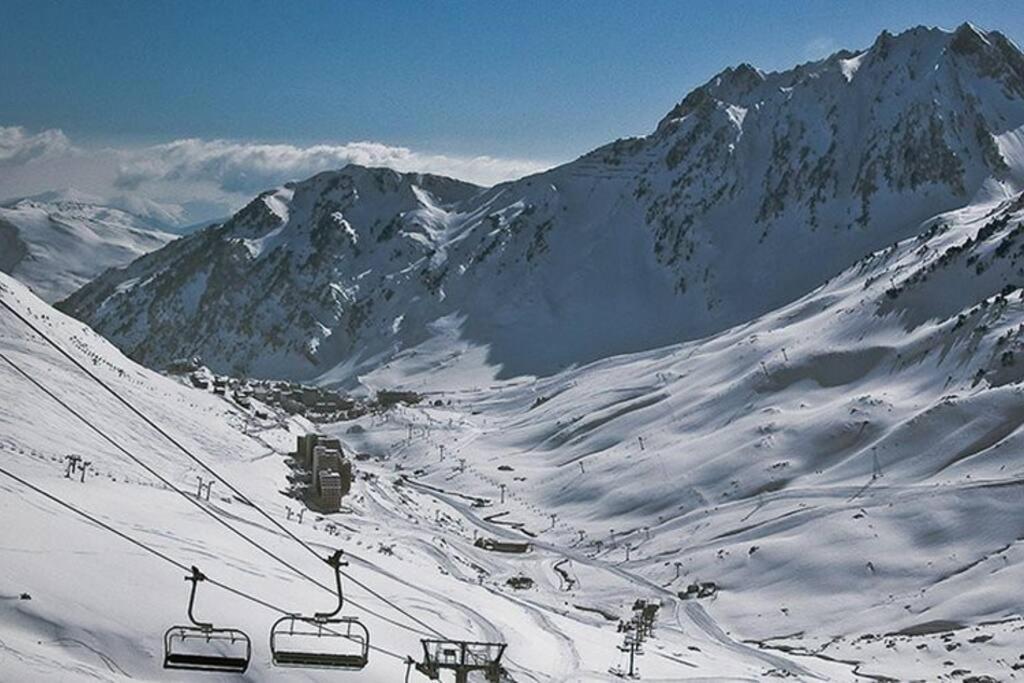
17	146
251	167
192	179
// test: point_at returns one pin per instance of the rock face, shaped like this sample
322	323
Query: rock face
751	191
57	245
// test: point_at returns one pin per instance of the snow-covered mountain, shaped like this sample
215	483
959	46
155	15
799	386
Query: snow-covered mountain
839	457
844	468
412	545
750	192
57	242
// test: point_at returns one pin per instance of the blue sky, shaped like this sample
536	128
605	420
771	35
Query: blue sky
523	80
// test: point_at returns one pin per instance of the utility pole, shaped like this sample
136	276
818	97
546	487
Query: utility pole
631	646
553	516
440	448
72	465
643	619
83	467
641	440
876	466
502	487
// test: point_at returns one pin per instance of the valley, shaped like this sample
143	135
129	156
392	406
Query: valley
751	381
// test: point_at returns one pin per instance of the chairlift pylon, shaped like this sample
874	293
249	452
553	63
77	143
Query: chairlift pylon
298	641
201	646
461	656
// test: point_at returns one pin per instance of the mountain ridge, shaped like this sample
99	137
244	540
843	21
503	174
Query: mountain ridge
58	241
749	192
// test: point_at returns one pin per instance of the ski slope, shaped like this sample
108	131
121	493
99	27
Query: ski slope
99	605
843	468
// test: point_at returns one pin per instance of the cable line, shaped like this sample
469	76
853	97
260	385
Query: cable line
192	500
163	556
210	470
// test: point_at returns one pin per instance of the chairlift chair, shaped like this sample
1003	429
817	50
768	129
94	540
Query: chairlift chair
201	647
302	641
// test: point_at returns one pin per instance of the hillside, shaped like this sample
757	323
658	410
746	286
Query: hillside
104	621
57	243
843	468
754	189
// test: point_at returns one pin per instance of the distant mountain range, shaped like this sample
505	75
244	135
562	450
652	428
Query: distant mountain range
56	242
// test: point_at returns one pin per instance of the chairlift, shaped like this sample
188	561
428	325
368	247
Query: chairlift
201	647
324	640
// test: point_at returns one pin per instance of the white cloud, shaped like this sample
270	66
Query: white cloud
216	175
251	167
820	47
19	147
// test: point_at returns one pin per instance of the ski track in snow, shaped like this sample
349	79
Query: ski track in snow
697	615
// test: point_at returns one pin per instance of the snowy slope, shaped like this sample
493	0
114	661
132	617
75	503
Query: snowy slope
841	458
57	243
749	193
99	605
843	467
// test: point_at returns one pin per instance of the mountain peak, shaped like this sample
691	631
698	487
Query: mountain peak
67	195
383	180
918	51
968	38
155	215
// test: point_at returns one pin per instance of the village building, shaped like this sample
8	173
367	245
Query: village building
330	471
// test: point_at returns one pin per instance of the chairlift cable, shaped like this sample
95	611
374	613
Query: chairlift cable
210	470
199	505
163	556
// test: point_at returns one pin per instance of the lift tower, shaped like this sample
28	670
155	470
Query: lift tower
463	657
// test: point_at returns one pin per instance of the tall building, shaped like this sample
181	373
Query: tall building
330	471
